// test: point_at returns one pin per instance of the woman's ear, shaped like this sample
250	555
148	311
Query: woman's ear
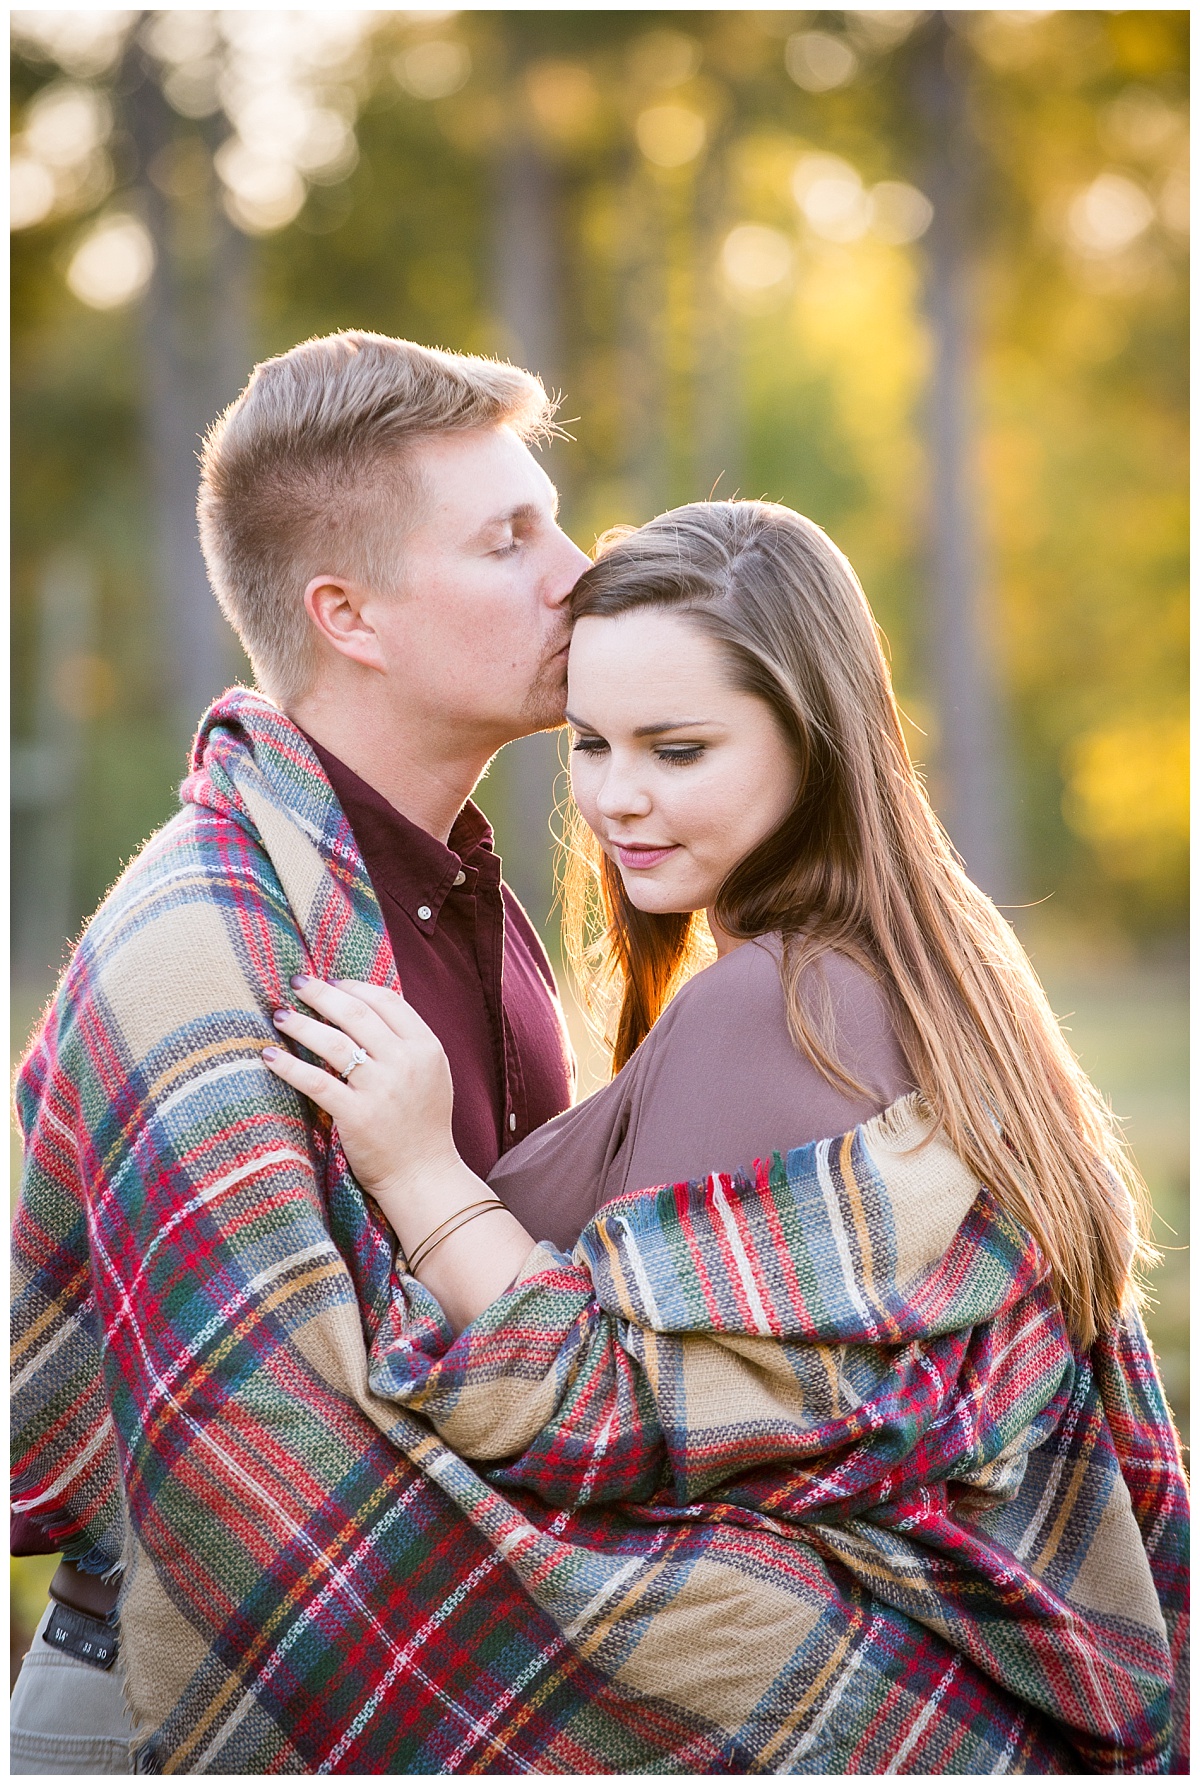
335	606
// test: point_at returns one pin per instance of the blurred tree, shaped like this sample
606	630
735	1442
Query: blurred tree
195	358
46	766
970	786
526	301
734	209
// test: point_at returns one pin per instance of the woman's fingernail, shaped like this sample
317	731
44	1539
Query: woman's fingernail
271	1053
280	1016
299	979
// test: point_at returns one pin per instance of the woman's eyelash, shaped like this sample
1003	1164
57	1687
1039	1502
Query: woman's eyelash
679	755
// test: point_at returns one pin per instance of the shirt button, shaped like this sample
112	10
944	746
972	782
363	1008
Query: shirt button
512	1122
460	879
424	913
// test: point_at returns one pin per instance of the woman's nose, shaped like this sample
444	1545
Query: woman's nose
622	797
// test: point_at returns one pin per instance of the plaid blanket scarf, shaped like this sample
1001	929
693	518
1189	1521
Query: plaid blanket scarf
793	1475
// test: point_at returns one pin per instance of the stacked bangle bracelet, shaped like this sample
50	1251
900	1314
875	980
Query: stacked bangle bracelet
459	1218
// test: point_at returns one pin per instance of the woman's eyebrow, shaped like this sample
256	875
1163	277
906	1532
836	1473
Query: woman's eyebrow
652	731
648	731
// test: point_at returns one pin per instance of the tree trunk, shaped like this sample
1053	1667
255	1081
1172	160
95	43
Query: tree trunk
970	783
194	335
527	302
46	773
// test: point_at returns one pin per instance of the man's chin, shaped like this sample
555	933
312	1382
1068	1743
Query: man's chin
546	708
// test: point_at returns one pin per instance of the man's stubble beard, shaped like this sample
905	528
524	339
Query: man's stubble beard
545	704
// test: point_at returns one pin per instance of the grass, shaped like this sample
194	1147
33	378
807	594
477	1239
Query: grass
1128	1023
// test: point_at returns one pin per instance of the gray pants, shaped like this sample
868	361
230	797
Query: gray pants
67	1717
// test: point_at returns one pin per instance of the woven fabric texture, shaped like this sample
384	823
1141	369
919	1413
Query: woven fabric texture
792	1475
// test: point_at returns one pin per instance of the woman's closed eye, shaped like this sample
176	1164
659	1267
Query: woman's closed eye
679	754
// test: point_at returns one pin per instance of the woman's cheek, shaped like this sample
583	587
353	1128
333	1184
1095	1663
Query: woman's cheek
583	792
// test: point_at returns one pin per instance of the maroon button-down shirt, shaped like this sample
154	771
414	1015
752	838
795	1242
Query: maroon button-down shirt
470	963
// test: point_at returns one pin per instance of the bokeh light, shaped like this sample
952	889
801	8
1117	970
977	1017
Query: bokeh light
31	191
670	135
1108	215
900	213
831	197
819	62
435	69
82	44
755	258
66	123
113	264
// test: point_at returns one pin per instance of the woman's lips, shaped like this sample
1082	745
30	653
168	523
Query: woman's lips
633	856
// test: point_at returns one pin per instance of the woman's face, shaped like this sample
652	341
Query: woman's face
679	774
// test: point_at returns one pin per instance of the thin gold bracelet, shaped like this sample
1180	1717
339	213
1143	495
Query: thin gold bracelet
452	1216
469	1215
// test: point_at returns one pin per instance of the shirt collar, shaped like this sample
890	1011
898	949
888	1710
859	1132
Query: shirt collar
404	861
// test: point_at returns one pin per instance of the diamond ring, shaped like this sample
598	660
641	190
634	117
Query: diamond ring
356	1059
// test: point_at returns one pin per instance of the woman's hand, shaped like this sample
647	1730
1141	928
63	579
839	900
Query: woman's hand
392	1099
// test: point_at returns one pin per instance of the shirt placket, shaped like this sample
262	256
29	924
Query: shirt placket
489	954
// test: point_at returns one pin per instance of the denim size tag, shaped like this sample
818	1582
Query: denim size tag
87	1639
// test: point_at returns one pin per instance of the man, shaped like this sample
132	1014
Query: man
194	1262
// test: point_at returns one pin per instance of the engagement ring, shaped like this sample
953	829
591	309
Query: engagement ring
356	1059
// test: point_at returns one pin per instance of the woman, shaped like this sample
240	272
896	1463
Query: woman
864	1358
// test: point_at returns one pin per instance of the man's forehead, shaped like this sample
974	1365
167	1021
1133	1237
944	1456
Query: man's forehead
486	474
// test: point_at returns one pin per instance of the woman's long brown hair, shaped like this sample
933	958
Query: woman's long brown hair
860	865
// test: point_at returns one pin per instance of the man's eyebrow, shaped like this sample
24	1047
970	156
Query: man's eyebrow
522	513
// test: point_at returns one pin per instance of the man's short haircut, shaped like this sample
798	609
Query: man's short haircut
305	475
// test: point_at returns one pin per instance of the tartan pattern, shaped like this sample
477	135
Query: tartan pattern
738	1352
733	1490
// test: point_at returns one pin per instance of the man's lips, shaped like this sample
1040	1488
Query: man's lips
638	855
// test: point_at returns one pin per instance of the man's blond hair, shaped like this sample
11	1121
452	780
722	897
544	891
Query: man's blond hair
306	474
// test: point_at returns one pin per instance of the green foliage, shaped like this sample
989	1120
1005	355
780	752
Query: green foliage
807	388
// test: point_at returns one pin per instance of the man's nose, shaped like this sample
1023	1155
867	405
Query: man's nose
570	567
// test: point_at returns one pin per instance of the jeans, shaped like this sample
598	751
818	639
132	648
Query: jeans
67	1717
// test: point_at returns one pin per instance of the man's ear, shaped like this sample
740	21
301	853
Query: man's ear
335	607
